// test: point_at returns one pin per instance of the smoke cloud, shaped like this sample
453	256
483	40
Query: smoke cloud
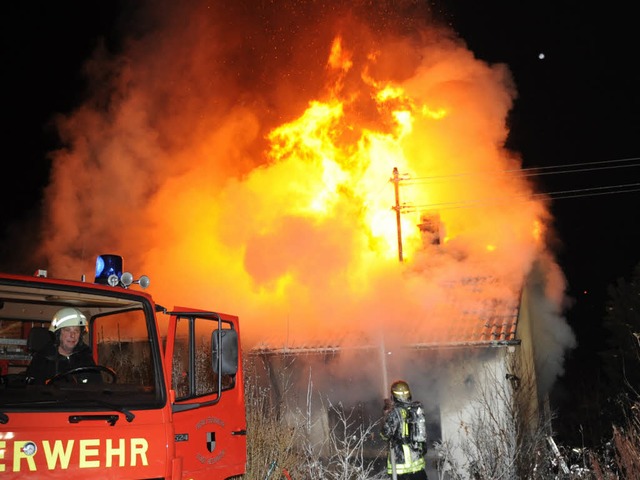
240	155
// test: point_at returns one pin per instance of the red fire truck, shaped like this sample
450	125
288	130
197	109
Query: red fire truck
166	400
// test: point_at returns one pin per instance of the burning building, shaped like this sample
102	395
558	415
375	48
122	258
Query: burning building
249	149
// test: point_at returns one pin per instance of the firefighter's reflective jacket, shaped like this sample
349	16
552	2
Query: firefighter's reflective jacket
395	429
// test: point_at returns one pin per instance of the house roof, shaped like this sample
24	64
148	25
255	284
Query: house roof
481	310
475	320
478	311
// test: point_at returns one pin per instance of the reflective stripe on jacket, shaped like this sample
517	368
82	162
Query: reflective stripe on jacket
396	429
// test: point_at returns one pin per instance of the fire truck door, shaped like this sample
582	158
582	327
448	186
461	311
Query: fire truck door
208	410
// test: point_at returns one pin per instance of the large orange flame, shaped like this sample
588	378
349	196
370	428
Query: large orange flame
268	192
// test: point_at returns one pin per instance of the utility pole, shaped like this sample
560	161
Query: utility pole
396	188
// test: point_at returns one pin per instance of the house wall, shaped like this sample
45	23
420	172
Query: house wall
525	368
472	403
489	395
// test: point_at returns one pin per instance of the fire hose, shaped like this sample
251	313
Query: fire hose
392	451
272	467
270	471
392	457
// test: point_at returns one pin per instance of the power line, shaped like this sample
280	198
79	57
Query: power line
399	208
535	171
397	180
593	191
561	195
557	195
583	164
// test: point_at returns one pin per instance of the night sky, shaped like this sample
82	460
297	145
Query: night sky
579	104
44	47
575	68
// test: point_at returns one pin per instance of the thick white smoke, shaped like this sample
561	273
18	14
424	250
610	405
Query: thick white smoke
180	161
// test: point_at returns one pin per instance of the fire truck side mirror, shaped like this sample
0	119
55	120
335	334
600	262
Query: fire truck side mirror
224	344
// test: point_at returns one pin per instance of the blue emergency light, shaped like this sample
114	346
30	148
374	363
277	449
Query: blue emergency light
107	265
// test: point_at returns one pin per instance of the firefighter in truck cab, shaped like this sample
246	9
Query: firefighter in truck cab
66	351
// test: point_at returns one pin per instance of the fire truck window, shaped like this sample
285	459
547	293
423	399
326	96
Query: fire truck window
206	381
180	371
123	345
193	349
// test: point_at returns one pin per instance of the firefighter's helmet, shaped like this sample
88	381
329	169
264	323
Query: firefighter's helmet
400	391
68	317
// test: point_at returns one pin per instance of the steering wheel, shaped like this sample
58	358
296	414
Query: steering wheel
78	370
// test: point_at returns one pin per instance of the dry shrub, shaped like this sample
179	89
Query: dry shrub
278	433
269	439
620	459
627	448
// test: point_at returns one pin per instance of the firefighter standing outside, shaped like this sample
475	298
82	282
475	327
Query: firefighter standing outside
404	456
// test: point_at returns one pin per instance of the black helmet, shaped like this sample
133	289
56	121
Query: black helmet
400	391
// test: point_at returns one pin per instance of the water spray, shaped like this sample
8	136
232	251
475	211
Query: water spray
383	361
385	383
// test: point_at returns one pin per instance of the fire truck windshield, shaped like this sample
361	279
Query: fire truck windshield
110	362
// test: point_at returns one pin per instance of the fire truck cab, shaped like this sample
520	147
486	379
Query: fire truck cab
166	395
